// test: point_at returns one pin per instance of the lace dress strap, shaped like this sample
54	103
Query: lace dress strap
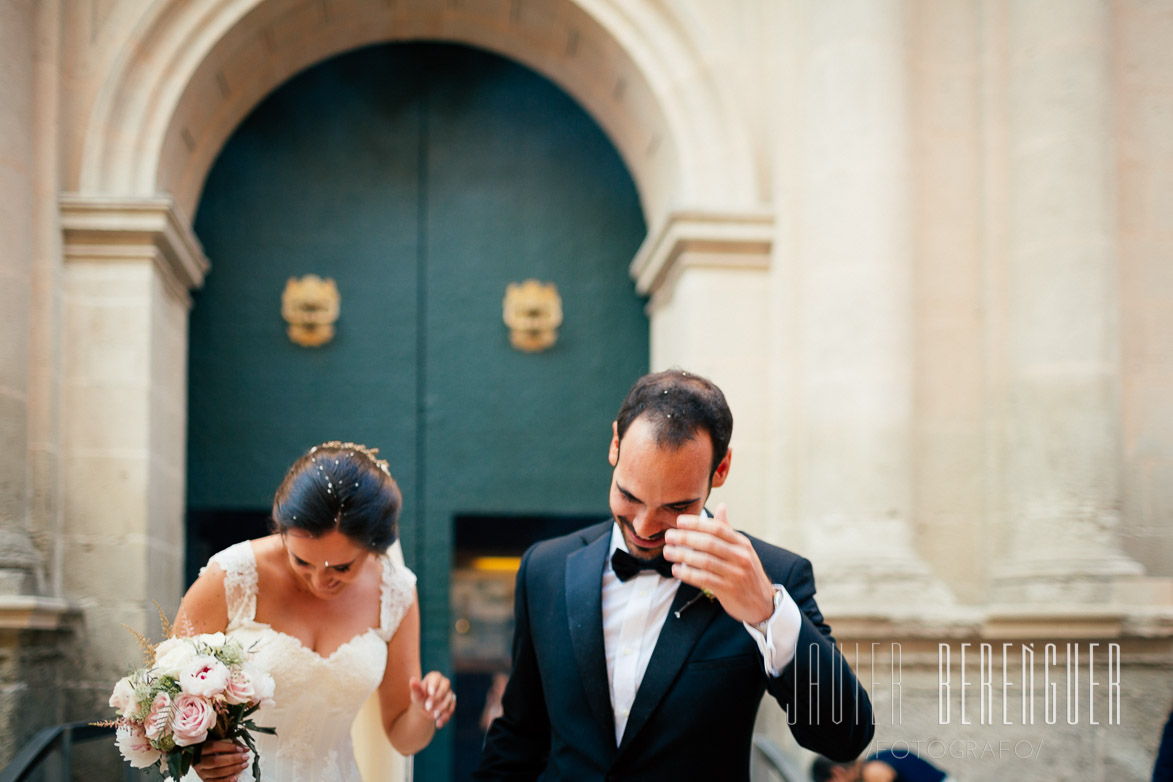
396	594
240	581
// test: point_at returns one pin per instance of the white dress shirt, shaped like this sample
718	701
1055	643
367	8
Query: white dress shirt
635	610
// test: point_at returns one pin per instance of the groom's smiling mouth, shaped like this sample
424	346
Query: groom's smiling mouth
634	540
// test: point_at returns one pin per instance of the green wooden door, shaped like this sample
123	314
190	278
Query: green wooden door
423	178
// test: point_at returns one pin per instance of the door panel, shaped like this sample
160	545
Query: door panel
423	178
307	185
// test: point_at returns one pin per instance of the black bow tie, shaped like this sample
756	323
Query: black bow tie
626	566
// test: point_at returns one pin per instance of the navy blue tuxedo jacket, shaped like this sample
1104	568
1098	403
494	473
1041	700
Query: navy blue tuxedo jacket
694	711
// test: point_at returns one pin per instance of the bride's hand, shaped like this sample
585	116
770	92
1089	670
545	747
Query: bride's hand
221	760
434	695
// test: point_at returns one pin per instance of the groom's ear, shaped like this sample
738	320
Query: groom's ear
722	471
613	454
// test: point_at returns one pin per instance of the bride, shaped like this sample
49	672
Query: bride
329	614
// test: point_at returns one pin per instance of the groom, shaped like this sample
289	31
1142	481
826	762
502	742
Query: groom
622	667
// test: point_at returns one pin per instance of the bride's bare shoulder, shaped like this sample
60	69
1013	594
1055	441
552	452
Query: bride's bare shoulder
204	608
268	553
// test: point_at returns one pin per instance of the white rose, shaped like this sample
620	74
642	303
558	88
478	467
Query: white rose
214	640
204	676
173	656
263	685
123	698
134	746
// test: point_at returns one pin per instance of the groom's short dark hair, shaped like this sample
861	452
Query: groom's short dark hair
677	404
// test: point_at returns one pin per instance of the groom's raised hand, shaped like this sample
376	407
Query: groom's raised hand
708	553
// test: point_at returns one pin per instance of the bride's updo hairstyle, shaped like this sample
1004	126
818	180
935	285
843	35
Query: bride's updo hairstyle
344	487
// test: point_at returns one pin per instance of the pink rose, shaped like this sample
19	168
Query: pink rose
191	719
155	724
134	746
240	688
205	676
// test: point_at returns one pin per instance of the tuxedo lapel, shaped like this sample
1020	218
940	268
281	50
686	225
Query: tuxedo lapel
584	609
678	636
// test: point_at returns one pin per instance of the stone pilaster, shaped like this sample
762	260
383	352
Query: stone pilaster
31	624
1062	430
705	274
129	266
19	561
848	268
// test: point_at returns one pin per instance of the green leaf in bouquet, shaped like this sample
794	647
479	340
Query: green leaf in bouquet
233	714
252	726
252	745
186	759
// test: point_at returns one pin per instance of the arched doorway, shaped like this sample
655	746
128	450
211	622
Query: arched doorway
185	77
423	178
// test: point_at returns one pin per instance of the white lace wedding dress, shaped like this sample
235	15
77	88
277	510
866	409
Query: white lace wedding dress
316	698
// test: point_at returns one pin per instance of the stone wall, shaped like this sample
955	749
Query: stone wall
1142	63
1062	732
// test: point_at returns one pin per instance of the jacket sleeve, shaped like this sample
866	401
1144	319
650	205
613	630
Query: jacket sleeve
517	744
827	708
1163	766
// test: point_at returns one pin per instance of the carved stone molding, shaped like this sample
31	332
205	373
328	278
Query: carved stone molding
30	612
108	229
980	624
732	240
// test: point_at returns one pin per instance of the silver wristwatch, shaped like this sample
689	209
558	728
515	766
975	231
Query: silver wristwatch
763	625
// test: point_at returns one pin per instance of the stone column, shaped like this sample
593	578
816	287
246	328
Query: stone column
129	266
1062	432
709	308
32	624
852	281
19	561
45	354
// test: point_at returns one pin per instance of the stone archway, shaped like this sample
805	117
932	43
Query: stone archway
184	80
194	70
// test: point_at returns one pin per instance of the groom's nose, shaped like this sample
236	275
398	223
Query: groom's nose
647	523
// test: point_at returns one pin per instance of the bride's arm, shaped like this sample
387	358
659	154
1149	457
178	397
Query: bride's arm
204	608
412	708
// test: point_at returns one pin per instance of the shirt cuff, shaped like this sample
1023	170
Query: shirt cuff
777	644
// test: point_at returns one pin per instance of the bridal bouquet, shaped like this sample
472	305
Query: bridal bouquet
190	690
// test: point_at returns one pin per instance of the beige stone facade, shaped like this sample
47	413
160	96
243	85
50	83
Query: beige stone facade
923	244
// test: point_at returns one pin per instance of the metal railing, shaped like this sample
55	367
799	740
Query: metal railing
50	752
770	762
